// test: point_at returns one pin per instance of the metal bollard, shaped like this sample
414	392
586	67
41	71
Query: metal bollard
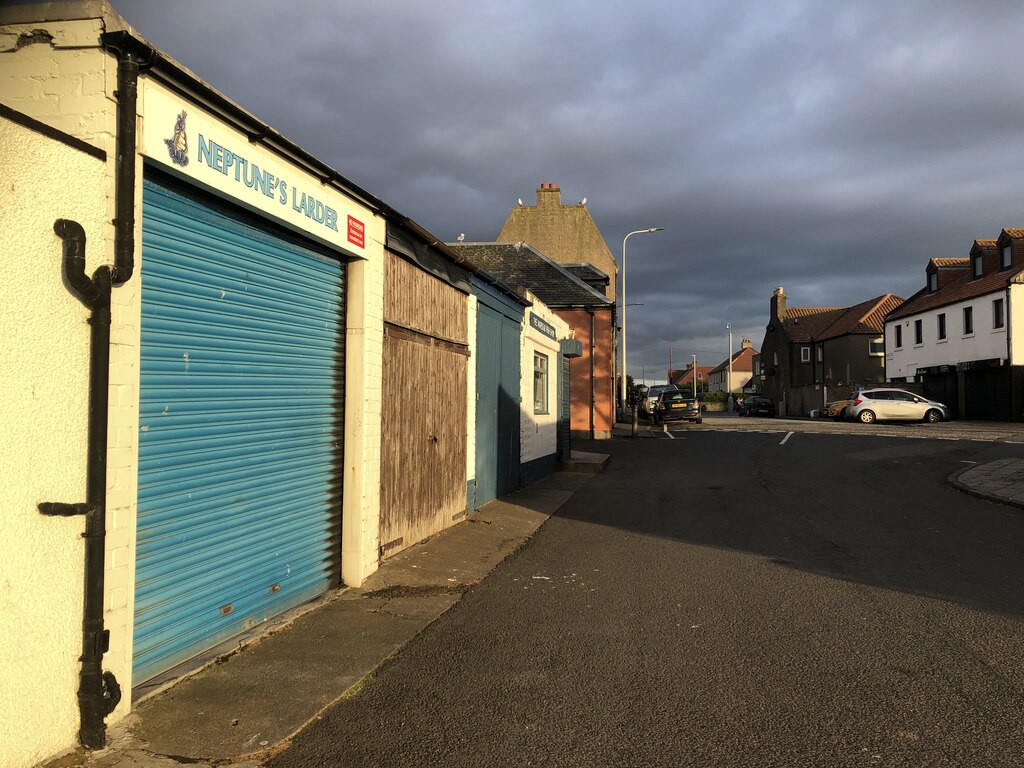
636	419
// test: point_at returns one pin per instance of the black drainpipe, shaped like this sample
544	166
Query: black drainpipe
590	310
98	691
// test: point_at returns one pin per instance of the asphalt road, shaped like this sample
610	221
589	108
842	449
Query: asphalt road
724	599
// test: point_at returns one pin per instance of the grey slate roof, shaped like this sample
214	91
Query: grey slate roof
520	264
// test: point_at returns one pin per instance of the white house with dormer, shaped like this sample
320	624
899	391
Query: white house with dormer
955	336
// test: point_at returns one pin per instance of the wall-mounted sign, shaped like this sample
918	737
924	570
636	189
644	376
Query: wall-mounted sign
190	142
571	347
542	325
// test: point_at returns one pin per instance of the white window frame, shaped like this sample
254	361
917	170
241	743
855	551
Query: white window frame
967	318
805	354
820	353
897	334
540	383
940	326
998	314
933	282
1006	257
880	341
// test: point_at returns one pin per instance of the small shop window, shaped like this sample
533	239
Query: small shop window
540	383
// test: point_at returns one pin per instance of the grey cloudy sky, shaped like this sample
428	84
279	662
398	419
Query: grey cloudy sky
827	147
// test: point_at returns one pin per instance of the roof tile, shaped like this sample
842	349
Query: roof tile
520	264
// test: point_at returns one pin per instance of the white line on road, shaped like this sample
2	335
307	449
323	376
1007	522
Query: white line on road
964	461
788	435
665	428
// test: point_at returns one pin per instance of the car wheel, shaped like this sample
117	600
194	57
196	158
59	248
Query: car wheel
933	416
700	421
841	416
866	417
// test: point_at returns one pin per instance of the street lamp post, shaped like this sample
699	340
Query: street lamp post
622	299
694	376
728	385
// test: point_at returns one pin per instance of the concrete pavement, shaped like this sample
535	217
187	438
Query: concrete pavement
1001	480
244	706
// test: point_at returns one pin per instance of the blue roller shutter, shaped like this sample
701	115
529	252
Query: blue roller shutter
239	500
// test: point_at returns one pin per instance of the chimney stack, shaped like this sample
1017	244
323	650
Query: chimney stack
549	195
746	344
779	305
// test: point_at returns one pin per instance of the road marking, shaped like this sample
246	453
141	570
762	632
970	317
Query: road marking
788	435
1013	442
665	428
964	461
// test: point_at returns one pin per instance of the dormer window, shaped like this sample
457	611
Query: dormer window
933	282
1007	257
976	265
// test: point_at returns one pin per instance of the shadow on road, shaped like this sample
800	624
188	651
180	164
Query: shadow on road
875	511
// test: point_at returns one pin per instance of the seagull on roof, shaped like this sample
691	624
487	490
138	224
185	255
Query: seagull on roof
461	237
583	201
520	201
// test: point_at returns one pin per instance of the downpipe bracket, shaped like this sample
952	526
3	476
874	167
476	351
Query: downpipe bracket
62	509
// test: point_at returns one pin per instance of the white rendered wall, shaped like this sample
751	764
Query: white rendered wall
66	83
985	343
45	380
539	432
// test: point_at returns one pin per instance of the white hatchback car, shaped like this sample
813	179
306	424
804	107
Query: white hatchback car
895	405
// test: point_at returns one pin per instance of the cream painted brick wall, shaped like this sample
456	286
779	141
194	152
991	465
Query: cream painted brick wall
64	84
471	308
538	432
43	457
123	457
1015	324
364	365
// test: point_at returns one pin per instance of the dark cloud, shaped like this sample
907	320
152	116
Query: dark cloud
830	148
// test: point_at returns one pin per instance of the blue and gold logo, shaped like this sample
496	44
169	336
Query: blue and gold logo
177	145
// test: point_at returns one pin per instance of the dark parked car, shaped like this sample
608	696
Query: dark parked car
650	398
757	406
675	406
